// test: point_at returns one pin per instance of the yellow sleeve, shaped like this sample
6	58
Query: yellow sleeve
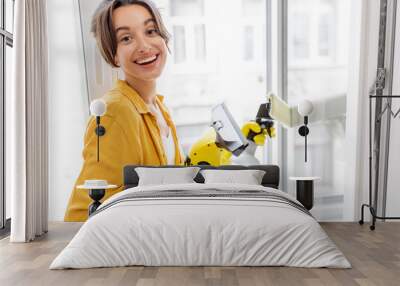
115	153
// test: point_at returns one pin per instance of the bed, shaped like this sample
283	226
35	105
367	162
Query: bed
201	224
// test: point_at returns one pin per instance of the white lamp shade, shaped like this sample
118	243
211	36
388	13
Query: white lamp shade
305	108
98	107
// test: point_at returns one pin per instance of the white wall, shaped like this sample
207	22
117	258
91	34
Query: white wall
393	191
369	66
363	58
68	108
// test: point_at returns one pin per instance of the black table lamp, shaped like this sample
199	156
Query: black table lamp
305	108
98	108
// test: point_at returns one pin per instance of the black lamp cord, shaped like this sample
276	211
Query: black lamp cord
98	137
100	131
305	138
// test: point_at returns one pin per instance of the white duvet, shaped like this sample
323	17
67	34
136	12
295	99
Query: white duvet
200	231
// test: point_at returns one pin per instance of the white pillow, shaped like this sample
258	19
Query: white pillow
163	176
248	177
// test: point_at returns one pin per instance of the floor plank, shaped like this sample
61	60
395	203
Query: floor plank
374	255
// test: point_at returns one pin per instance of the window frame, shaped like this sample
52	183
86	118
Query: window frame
353	119
6	39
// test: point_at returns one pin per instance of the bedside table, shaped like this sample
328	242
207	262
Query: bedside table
97	190
305	190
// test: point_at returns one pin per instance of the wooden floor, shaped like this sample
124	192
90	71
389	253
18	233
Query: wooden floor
374	255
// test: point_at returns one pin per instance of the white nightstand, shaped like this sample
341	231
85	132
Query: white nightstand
305	190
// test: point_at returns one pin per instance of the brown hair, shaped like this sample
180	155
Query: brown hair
103	29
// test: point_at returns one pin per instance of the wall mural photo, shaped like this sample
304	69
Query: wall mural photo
183	87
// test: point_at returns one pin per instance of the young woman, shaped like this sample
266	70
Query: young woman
130	35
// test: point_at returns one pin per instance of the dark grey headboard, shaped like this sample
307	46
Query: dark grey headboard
270	179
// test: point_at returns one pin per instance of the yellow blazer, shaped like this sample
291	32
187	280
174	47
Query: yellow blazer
132	137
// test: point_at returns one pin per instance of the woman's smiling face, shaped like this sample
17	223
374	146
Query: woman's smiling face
141	51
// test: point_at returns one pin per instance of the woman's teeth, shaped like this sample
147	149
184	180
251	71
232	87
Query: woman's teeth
146	60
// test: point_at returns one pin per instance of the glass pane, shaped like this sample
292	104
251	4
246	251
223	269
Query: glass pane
253	7
324	35
312	25
8	79
1	16
187	8
248	43
179	44
9	15
194	88
200	42
299	45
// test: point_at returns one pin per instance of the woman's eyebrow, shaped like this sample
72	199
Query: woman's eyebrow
150	20
121	28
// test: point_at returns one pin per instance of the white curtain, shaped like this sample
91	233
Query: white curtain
27	123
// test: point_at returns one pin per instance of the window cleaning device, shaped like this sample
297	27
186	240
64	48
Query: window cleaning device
225	138
219	142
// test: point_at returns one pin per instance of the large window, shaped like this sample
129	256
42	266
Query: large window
217	54
6	44
317	70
